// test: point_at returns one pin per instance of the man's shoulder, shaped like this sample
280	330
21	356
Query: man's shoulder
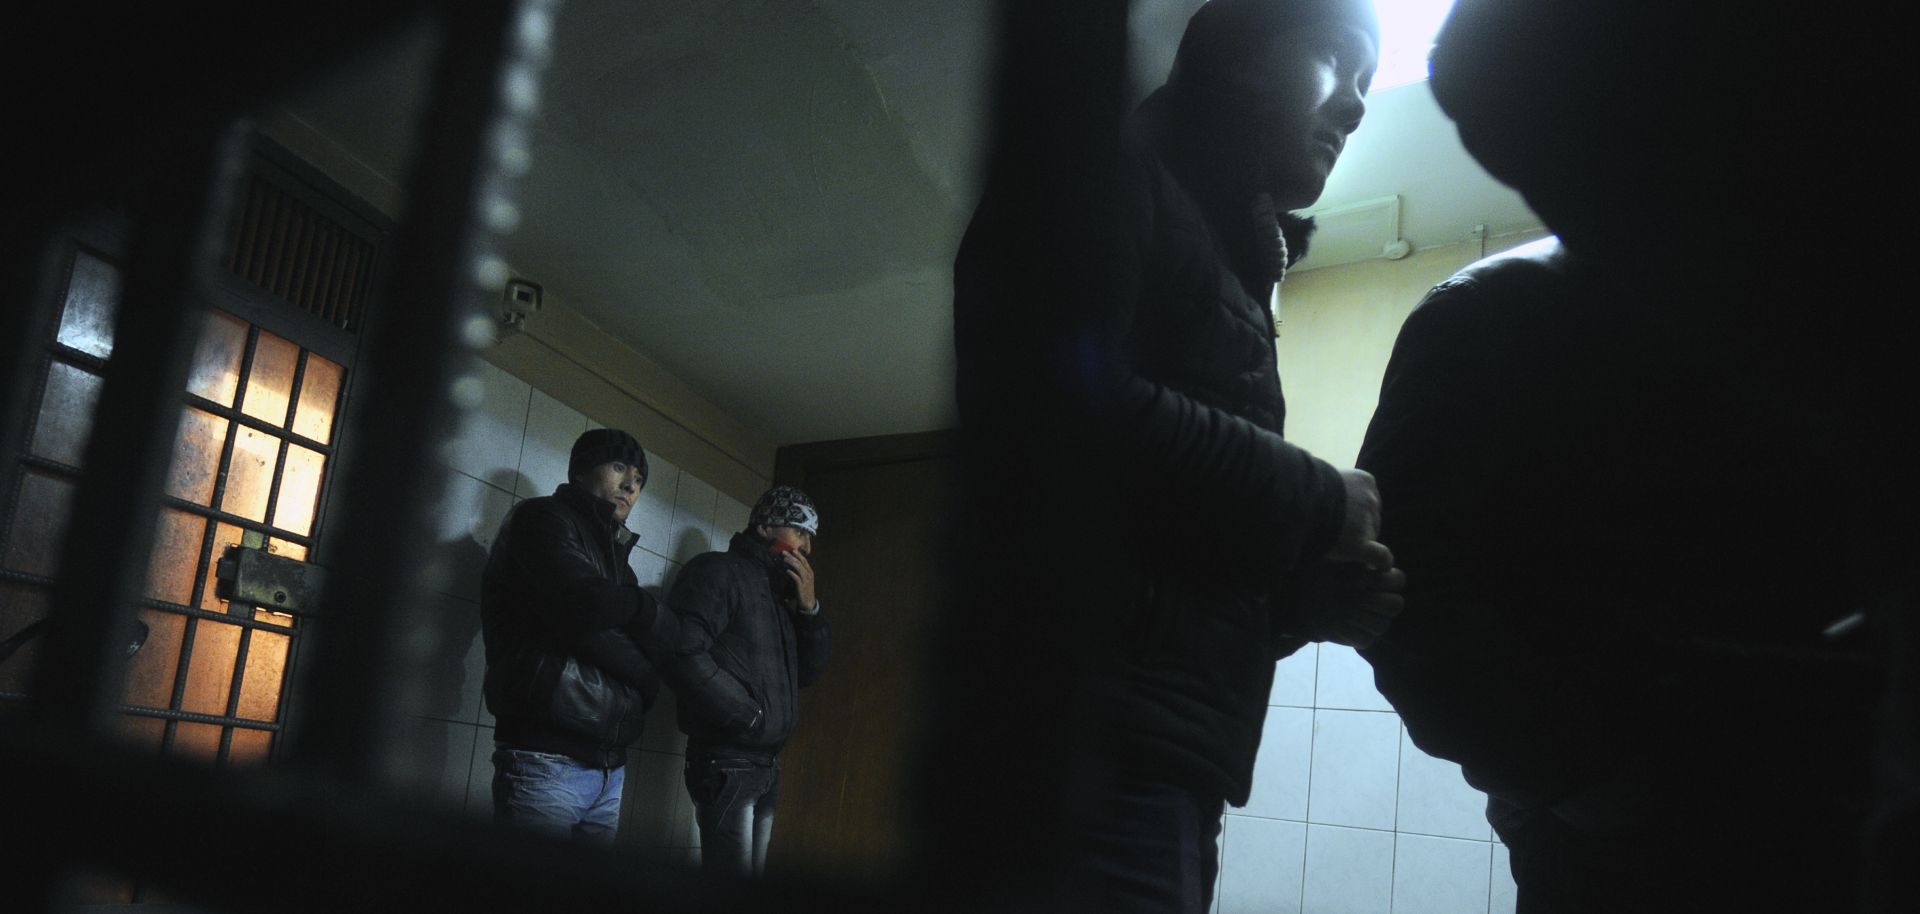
1534	265
719	561
712	574
545	506
1500	290
544	517
719	557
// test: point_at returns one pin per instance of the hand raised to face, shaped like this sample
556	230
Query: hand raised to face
800	569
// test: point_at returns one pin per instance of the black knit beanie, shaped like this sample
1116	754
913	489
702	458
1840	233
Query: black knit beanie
600	445
1225	36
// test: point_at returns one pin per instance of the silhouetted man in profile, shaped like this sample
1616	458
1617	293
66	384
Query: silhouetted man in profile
1639	477
1140	532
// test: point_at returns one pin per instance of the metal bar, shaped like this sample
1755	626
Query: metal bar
300	270
335	240
172	501
328	473
273	489
87	360
37	394
235	520
190	632
280	456
211	616
293	395
233	694
192	717
237	227
1059	105
162	605
46	304
491	57
111	529
260	425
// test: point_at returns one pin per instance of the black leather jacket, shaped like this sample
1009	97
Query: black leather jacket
743	655
567	629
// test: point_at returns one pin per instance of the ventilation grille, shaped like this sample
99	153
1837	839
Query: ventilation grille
292	250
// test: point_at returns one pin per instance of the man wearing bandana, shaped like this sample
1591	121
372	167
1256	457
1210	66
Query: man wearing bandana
751	637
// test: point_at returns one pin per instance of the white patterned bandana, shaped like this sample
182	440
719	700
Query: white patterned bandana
785	506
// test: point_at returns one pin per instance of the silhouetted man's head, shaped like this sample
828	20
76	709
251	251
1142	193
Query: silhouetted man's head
1275	87
1622	119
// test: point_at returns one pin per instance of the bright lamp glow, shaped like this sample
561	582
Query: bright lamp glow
1407	28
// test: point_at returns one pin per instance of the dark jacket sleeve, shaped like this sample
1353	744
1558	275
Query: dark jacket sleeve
1462	674
572	598
634	653
813	644
1273	498
1071	361
703	599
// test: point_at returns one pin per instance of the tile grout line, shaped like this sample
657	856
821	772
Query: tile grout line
1220	872
1399	757
1313	733
1489	878
526	419
466	787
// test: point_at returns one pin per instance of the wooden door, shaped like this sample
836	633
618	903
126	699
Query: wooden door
886	508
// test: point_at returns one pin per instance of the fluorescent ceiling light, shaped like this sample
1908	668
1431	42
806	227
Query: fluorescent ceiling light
1407	28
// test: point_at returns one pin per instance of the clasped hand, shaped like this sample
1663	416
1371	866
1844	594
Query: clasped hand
1353	595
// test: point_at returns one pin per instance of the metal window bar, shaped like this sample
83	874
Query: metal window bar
173	714
21	577
238	676
57	468
190	633
284	246
280	455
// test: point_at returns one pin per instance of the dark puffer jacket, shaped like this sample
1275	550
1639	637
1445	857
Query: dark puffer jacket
743	656
567	631
1619	543
1138	424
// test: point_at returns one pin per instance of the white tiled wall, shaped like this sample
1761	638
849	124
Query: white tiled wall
1347	815
1256	876
513	446
1349	870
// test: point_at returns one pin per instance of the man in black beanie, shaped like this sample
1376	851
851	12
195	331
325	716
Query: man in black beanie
1641	476
1146	544
568	634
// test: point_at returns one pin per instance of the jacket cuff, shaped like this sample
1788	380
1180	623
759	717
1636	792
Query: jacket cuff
1331	517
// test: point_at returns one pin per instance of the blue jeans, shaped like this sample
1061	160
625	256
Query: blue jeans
554	795
733	803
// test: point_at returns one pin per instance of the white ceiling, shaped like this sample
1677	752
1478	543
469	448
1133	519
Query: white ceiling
765	196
